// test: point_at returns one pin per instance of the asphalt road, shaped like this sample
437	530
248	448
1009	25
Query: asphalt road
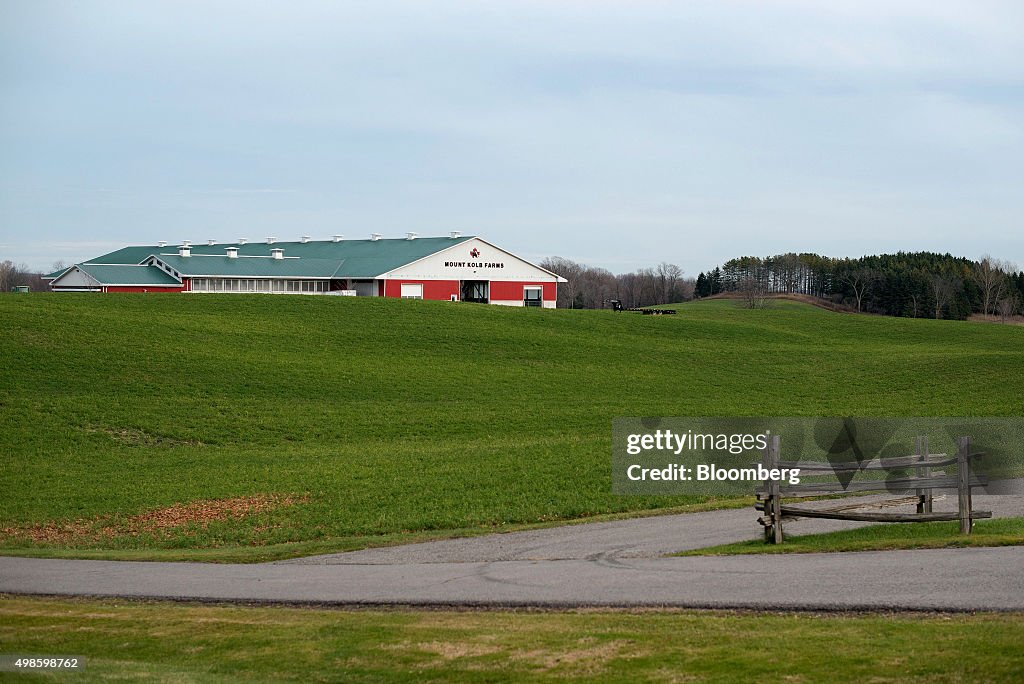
604	564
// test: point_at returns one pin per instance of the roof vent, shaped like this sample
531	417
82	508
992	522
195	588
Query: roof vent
211	242
454	234
375	236
305	239
411	236
271	240
162	243
187	243
185	250
242	241
337	238
277	253
232	252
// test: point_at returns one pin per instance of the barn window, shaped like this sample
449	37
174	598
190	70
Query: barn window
412	290
532	296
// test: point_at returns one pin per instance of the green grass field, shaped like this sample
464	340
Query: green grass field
173	642
335	423
934	535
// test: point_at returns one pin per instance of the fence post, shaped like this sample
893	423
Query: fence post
766	459
924	496
776	498
963	460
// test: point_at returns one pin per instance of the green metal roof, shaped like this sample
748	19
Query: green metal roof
129	255
350	258
51	276
253	267
128	275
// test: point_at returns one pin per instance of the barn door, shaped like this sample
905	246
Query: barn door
475	291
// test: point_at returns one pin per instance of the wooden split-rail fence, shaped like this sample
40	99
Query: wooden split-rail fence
922	482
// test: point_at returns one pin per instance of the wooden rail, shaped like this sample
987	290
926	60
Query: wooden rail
891	484
921	484
898	463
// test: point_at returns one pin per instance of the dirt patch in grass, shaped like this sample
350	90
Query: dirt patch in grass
158	522
141	438
584	656
451	650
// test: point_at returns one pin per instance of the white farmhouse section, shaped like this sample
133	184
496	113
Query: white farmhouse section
474	259
483	272
75	278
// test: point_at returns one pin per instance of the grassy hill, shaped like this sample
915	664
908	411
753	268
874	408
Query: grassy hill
328	423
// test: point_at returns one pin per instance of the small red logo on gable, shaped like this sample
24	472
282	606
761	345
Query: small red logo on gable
474	252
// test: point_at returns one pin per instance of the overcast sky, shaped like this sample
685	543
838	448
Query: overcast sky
620	134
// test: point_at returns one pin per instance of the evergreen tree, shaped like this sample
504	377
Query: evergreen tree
716	281
703	286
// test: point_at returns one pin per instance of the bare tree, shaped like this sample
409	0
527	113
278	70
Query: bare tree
629	289
591	288
861	281
668	276
597	285
12	274
944	286
753	293
7	274
1007	306
571	271
687	290
648	283
990	274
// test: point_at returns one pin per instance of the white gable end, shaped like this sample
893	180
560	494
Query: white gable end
473	259
75	277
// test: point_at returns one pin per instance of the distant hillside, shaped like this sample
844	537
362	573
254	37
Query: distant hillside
915	285
810	300
369	417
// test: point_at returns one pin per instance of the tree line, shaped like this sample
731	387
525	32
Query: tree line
912	284
13	275
917	284
594	288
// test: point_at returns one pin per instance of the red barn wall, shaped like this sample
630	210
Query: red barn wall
432	289
509	291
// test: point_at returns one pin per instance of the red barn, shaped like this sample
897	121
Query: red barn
454	268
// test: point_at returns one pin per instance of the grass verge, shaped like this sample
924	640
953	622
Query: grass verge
175	642
263	554
888	537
